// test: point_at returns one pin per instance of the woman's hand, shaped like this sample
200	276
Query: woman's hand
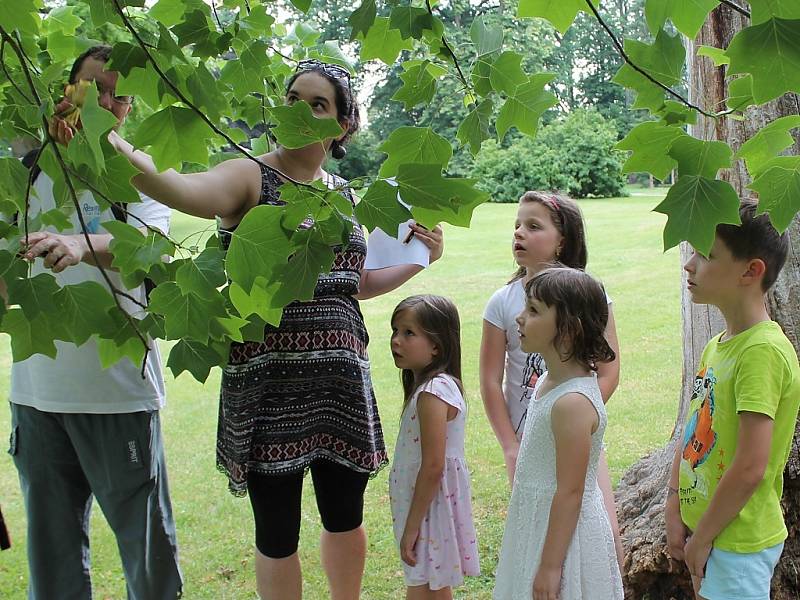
408	543
59	251
547	583
432	238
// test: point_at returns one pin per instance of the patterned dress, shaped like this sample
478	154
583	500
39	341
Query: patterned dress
305	392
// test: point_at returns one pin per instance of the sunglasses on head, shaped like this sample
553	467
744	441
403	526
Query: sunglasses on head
312	64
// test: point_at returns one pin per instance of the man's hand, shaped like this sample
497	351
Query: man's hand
676	530
59	129
59	251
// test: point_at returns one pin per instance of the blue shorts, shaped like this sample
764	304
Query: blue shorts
735	576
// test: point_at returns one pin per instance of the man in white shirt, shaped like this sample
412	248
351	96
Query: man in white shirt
80	431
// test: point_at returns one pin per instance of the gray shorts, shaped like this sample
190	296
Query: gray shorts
64	460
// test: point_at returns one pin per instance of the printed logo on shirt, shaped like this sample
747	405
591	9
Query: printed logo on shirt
91	214
699	437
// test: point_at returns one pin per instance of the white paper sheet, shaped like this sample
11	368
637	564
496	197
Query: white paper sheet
385	251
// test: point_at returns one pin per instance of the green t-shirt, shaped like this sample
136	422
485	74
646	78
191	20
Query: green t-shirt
756	371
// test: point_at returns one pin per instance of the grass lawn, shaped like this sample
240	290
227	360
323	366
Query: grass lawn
215	529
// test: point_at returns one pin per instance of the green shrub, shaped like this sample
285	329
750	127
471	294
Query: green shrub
574	155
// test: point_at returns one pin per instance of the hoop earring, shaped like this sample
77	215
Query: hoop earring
337	150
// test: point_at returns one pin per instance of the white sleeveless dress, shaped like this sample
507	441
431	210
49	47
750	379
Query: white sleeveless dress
590	569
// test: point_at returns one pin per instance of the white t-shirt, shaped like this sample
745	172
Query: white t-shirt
74	382
522	370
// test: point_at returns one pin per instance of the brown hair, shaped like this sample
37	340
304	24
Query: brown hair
437	316
756	238
581	313
567	217
101	53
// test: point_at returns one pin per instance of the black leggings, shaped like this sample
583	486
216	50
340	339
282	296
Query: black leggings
276	501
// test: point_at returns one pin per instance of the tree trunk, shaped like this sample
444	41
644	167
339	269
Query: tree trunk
649	572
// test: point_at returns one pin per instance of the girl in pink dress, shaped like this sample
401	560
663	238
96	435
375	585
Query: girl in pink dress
429	481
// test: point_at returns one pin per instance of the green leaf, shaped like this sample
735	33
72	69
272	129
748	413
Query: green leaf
175	135
134	252
383	42
481	74
411	21
419	86
764	10
717	55
649	143
84	310
204	274
258	22
167	12
474	129
145	84
778	188
696	157
561	13
663	60
193	29
677	113
186	315
740	93
205	94
770	52
12	266
257	302
103	11
246	75
27	337
487	38
56	218
122	341
768	143
303	35
97	122
423	187
63	19
34	295
13	183
331	54
65	47
21	15
302	5
362	19
694	206
298	278
526	106
505	73
125	56
115	184
198	359
414	145
167	45
380	208
688	16
258	245
298	127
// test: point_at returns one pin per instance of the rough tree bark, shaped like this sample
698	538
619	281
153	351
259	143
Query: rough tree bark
649	572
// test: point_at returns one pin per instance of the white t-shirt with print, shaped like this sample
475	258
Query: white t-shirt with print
522	370
74	382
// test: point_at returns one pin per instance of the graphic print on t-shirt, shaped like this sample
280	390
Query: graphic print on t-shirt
534	367
699	438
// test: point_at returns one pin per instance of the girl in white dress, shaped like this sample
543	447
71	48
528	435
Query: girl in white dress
558	542
429	481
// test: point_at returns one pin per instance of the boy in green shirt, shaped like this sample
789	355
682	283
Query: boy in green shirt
723	513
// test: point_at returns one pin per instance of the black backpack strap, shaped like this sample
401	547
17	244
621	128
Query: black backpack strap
29	162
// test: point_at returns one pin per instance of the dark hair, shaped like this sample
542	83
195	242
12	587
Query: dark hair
581	313
756	238
346	105
438	318
101	53
568	219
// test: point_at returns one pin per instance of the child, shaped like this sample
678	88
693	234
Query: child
723	512
548	228
429	482
558	541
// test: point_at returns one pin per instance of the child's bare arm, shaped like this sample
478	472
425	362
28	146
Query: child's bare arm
735	488
492	361
676	530
572	418
432	416
608	373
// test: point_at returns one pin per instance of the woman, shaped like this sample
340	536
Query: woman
302	399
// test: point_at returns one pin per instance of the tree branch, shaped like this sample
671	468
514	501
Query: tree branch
464	80
115	292
638	69
20	91
740	9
